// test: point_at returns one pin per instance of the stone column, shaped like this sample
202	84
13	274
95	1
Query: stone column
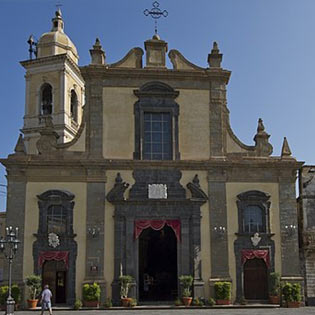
95	247
15	217
94	101
288	216
196	249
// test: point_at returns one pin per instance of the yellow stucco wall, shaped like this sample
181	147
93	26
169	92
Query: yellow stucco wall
232	190
109	223
194	138
187	177
31	224
118	122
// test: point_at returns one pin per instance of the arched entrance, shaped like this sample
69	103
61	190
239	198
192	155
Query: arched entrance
158	265
55	275
255	279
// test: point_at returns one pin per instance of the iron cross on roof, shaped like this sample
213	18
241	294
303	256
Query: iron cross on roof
155	13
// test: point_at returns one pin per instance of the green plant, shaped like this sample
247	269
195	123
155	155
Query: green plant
186	282
33	282
243	301
291	292
222	290
91	292
125	283
197	302
77	304
108	303
274	283
178	302
133	302
211	301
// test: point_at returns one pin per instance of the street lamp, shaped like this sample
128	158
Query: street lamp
9	246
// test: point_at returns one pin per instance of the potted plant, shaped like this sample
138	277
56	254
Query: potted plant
91	294
186	283
222	293
292	294
108	303
274	288
125	283
178	302
77	304
33	282
211	301
133	303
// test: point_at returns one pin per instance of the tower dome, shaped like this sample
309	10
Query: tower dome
56	42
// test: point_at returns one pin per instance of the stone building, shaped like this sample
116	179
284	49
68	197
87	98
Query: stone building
306	207
133	168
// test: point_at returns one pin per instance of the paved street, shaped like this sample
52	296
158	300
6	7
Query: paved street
181	311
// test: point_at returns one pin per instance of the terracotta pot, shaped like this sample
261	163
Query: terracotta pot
274	299
187	300
91	303
223	302
125	302
32	303
293	304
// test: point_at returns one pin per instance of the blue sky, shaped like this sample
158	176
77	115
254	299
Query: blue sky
269	45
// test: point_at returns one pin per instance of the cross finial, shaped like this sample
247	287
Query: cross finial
155	13
58	5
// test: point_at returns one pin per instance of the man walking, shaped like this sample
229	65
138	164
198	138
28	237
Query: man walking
46	300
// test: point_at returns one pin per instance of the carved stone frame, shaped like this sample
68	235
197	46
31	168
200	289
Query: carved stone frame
67	242
160	98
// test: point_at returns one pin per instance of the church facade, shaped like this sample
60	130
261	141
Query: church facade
132	168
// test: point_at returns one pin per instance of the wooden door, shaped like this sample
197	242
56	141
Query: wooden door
255	279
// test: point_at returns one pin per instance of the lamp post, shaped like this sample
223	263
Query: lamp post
9	246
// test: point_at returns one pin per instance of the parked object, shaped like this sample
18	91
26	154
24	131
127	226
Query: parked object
222	293
91	294
125	283
33	282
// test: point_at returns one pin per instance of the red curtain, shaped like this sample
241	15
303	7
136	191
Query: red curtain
53	255
157	225
256	253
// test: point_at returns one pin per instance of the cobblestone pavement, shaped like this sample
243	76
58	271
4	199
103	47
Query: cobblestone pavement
258	311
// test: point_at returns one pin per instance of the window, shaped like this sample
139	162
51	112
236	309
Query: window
46	99
56	220
253	219
157	136
74	106
253	212
156	122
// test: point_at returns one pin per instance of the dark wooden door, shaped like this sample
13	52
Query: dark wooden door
255	279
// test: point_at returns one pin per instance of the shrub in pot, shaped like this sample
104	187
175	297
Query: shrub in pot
77	304
108	303
125	282
222	292
274	288
91	294
292	294
186	283
33	282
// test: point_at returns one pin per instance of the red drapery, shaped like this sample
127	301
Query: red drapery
256	253
53	255
157	225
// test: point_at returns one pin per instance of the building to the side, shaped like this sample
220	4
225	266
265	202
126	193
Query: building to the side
306	207
133	168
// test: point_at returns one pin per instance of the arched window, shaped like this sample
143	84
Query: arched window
253	212
74	106
46	99
56	219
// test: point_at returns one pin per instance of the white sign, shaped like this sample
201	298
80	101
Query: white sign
157	191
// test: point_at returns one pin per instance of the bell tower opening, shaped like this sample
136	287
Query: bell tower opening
158	279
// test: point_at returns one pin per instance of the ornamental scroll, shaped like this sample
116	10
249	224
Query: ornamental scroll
53	255
256	253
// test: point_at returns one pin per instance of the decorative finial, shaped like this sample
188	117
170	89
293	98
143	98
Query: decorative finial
58	12
285	152
215	58
97	53
196	180
263	147
260	127
33	47
20	148
155	13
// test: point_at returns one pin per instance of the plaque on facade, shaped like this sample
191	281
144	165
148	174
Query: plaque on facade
255	239
157	191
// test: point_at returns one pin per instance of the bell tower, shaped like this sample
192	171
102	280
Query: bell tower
54	87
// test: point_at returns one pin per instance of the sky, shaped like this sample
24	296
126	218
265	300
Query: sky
269	45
